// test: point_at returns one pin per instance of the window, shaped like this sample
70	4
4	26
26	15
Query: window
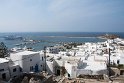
58	72
1	70
4	75
30	59
68	75
14	76
31	68
118	61
42	58
20	69
14	70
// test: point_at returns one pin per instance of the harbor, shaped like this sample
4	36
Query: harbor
81	62
61	41
39	40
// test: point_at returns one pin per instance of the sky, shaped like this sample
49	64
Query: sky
61	15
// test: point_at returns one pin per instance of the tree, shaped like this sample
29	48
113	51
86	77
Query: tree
3	50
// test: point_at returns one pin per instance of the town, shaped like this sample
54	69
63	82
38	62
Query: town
67	63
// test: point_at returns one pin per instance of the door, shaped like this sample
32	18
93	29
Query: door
4	76
36	68
58	72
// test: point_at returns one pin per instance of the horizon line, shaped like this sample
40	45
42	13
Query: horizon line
64	32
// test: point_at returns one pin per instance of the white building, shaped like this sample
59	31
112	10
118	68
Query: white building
85	67
87	59
20	62
4	69
54	49
28	61
95	66
71	68
50	67
8	69
14	70
121	59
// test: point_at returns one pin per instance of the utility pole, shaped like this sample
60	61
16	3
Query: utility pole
109	62
45	57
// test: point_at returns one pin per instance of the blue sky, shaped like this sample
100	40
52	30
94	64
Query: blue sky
61	15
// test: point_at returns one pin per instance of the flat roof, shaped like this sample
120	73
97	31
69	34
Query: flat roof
73	62
25	53
94	65
3	60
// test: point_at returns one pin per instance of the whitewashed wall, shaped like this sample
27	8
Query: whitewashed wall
83	72
5	66
49	67
26	61
16	73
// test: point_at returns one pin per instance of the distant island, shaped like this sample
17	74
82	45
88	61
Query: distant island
108	36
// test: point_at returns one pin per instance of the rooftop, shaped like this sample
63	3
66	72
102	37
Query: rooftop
3	60
25	53
73	62
95	65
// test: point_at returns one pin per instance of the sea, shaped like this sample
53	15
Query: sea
53	38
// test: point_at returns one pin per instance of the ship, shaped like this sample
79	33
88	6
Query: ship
13	37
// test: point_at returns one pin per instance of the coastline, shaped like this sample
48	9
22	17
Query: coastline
50	39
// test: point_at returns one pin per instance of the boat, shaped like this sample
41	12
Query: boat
17	49
13	37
